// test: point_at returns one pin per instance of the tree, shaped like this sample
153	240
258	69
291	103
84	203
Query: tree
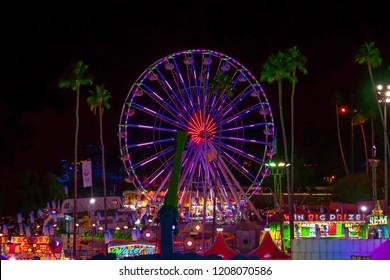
359	119
369	54
337	100
98	101
296	62
277	69
75	76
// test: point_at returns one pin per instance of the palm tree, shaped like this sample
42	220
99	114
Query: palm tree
296	62
74	77
98	101
277	69
337	101
359	119
370	55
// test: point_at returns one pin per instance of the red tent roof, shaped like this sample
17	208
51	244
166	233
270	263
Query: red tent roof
221	248
267	249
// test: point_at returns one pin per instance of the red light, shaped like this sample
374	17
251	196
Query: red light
201	128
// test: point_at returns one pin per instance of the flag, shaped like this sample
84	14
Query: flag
87	173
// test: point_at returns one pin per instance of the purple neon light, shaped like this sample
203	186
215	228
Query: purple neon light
152	127
195	95
246	126
149	143
160	116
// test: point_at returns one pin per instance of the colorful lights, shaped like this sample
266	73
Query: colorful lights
201	128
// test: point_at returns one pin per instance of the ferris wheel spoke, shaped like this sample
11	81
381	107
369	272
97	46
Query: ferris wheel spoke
150	159
181	83
148	143
159	116
158	171
156	128
178	99
237	151
188	166
238	98
241	113
243	127
246	140
239	167
179	111
194	82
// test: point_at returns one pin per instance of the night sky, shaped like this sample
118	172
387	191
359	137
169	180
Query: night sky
120	39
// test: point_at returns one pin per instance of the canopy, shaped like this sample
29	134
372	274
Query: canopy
221	248
268	250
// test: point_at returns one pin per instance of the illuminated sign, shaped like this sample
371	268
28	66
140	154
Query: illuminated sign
377	220
30	240
326	217
130	250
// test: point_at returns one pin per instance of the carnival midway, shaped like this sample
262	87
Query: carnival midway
196	152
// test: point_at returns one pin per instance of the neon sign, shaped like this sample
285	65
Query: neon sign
30	240
130	250
378	220
326	217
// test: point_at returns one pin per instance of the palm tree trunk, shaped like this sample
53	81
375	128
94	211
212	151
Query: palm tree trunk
340	144
290	202
292	138
365	146
76	137
103	165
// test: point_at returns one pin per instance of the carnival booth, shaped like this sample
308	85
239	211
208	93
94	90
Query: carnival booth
311	224
30	248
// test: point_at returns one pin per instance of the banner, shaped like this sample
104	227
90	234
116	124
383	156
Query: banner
87	173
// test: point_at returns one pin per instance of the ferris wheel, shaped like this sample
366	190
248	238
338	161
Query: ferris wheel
229	124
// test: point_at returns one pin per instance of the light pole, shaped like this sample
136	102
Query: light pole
278	170
374	165
384	97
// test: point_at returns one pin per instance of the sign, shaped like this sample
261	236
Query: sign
377	220
327	217
87	173
30	240
131	250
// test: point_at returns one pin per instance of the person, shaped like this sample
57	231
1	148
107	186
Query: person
297	231
325	229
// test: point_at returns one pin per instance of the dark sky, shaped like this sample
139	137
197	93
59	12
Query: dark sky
120	39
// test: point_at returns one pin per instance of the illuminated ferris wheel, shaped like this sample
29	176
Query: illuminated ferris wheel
229	124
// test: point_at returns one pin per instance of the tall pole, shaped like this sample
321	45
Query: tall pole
385	153
352	137
384	97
